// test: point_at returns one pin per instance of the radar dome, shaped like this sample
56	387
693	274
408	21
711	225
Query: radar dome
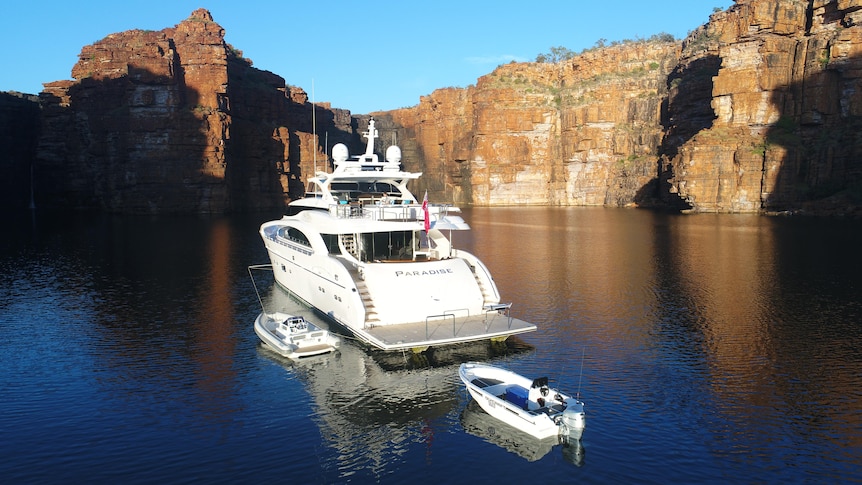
393	154
340	152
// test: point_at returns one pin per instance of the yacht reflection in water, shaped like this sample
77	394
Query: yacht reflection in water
373	406
478	423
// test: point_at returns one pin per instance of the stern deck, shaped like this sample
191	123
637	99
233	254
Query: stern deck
444	331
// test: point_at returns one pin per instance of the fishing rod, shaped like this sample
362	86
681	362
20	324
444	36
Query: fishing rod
580	374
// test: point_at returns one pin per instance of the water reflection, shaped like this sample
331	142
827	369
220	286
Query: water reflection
755	321
717	349
478	423
372	406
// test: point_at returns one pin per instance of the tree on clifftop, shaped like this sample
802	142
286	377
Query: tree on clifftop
557	54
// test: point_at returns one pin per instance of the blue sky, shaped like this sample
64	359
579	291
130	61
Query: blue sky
360	56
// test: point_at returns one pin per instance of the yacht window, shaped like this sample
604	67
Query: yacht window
344	186
386	187
395	245
297	236
331	241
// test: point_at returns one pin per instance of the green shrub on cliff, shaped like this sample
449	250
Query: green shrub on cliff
557	54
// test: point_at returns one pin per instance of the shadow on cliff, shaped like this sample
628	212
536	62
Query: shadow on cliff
144	143
19	135
140	143
686	111
816	144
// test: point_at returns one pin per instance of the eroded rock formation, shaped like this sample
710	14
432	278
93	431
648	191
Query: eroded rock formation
786	104
581	132
758	110
19	135
174	121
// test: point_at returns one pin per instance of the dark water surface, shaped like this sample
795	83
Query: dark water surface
716	348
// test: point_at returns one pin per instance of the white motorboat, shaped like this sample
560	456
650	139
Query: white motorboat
293	336
526	404
364	252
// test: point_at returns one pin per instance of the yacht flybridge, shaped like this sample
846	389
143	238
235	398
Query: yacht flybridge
363	251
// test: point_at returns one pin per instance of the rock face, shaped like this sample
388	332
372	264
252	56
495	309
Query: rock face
19	135
581	132
757	110
785	100
173	121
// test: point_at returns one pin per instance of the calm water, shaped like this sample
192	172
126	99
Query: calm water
715	349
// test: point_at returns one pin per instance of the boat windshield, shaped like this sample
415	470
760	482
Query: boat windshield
346	192
376	246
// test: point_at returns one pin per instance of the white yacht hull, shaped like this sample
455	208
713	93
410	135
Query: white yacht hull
362	250
396	306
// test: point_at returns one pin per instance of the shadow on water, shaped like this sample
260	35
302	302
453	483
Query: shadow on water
370	405
477	422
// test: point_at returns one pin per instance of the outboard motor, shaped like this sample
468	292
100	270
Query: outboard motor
573	422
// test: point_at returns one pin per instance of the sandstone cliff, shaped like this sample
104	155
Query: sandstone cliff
19	135
175	121
757	110
582	132
785	107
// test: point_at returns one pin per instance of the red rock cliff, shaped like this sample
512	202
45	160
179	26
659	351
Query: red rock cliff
784	109
581	132
174	121
758	110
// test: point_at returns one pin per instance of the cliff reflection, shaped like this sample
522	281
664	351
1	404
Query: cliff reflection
214	323
567	270
161	296
747	315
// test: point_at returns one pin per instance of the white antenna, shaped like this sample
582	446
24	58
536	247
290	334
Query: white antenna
313	126
581	374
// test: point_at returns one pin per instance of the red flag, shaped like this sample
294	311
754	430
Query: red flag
425	210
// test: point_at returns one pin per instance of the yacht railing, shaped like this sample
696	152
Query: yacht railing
447	314
501	308
444	316
388	212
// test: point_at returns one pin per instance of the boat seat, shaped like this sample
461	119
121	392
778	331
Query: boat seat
540	382
486	382
551	410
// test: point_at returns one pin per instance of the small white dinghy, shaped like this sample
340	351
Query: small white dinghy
527	404
292	336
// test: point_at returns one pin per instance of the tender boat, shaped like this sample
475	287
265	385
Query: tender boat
526	404
365	253
293	336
